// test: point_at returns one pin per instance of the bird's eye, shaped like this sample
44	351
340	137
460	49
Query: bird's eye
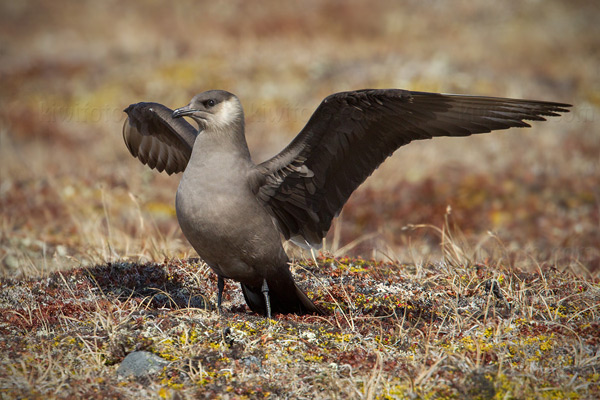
209	103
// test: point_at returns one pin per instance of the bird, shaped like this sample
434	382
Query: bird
236	213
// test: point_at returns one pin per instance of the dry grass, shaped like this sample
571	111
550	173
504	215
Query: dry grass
497	298
449	329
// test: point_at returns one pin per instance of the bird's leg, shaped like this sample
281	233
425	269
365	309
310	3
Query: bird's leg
265	291
220	288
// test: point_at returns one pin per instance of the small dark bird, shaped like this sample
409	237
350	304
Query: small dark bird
234	212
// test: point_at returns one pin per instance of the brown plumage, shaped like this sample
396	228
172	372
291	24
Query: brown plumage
232	211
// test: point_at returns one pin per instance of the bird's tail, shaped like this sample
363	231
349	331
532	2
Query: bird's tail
284	300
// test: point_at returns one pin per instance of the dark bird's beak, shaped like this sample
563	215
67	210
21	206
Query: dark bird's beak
183	111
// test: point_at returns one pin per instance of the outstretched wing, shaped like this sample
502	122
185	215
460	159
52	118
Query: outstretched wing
352	133
156	138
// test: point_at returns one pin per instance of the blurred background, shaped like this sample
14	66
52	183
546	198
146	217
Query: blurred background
71	194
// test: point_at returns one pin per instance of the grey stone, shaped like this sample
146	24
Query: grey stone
141	363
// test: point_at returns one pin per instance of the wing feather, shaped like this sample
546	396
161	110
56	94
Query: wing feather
156	138
352	133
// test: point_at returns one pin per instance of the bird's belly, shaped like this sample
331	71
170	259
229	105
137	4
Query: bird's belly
230	231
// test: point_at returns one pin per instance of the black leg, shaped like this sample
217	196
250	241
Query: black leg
220	288
265	290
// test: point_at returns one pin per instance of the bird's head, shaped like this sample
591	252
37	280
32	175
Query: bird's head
214	110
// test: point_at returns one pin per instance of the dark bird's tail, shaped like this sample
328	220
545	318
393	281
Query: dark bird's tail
284	299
